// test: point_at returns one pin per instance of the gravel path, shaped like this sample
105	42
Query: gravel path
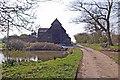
96	65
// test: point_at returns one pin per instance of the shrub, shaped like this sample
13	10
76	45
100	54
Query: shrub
44	46
82	37
23	35
21	45
103	39
17	45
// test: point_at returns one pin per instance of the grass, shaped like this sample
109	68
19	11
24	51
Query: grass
0	71
93	46
115	47
58	68
114	55
98	46
1	45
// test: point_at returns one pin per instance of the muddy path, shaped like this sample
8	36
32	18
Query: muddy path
96	65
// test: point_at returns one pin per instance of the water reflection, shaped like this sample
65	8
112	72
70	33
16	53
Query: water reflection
1	57
35	55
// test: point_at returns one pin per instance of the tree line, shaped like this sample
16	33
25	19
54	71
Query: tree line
95	38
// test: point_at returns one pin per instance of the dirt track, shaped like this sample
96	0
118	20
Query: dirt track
97	65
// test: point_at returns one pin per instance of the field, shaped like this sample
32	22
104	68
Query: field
58	68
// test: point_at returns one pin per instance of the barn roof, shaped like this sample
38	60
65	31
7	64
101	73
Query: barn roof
43	29
56	22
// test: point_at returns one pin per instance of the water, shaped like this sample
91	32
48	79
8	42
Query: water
33	55
1	57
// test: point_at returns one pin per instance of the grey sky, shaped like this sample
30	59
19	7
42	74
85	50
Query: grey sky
48	11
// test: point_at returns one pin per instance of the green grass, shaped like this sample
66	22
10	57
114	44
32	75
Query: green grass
1	45
93	46
115	47
111	54
98	46
59	68
0	70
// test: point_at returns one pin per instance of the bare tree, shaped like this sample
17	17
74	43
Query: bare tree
95	13
93	28
118	17
18	14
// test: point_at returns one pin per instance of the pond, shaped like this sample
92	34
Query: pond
1	57
32	55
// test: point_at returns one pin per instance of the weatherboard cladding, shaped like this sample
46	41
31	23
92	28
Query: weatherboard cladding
55	34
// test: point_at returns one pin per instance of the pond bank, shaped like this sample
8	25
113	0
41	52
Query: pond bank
1	57
34	55
58	68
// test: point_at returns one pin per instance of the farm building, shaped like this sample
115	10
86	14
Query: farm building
55	34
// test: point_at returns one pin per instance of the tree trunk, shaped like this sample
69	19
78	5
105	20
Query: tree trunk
7	42
108	33
109	39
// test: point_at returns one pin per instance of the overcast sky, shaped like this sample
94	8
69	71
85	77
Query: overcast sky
48	11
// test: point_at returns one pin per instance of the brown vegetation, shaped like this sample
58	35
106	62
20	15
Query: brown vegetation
21	45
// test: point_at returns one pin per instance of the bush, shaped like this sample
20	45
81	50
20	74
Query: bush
45	46
104	45
93	38
17	45
103	39
82	37
21	45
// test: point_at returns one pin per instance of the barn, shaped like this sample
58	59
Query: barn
55	34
